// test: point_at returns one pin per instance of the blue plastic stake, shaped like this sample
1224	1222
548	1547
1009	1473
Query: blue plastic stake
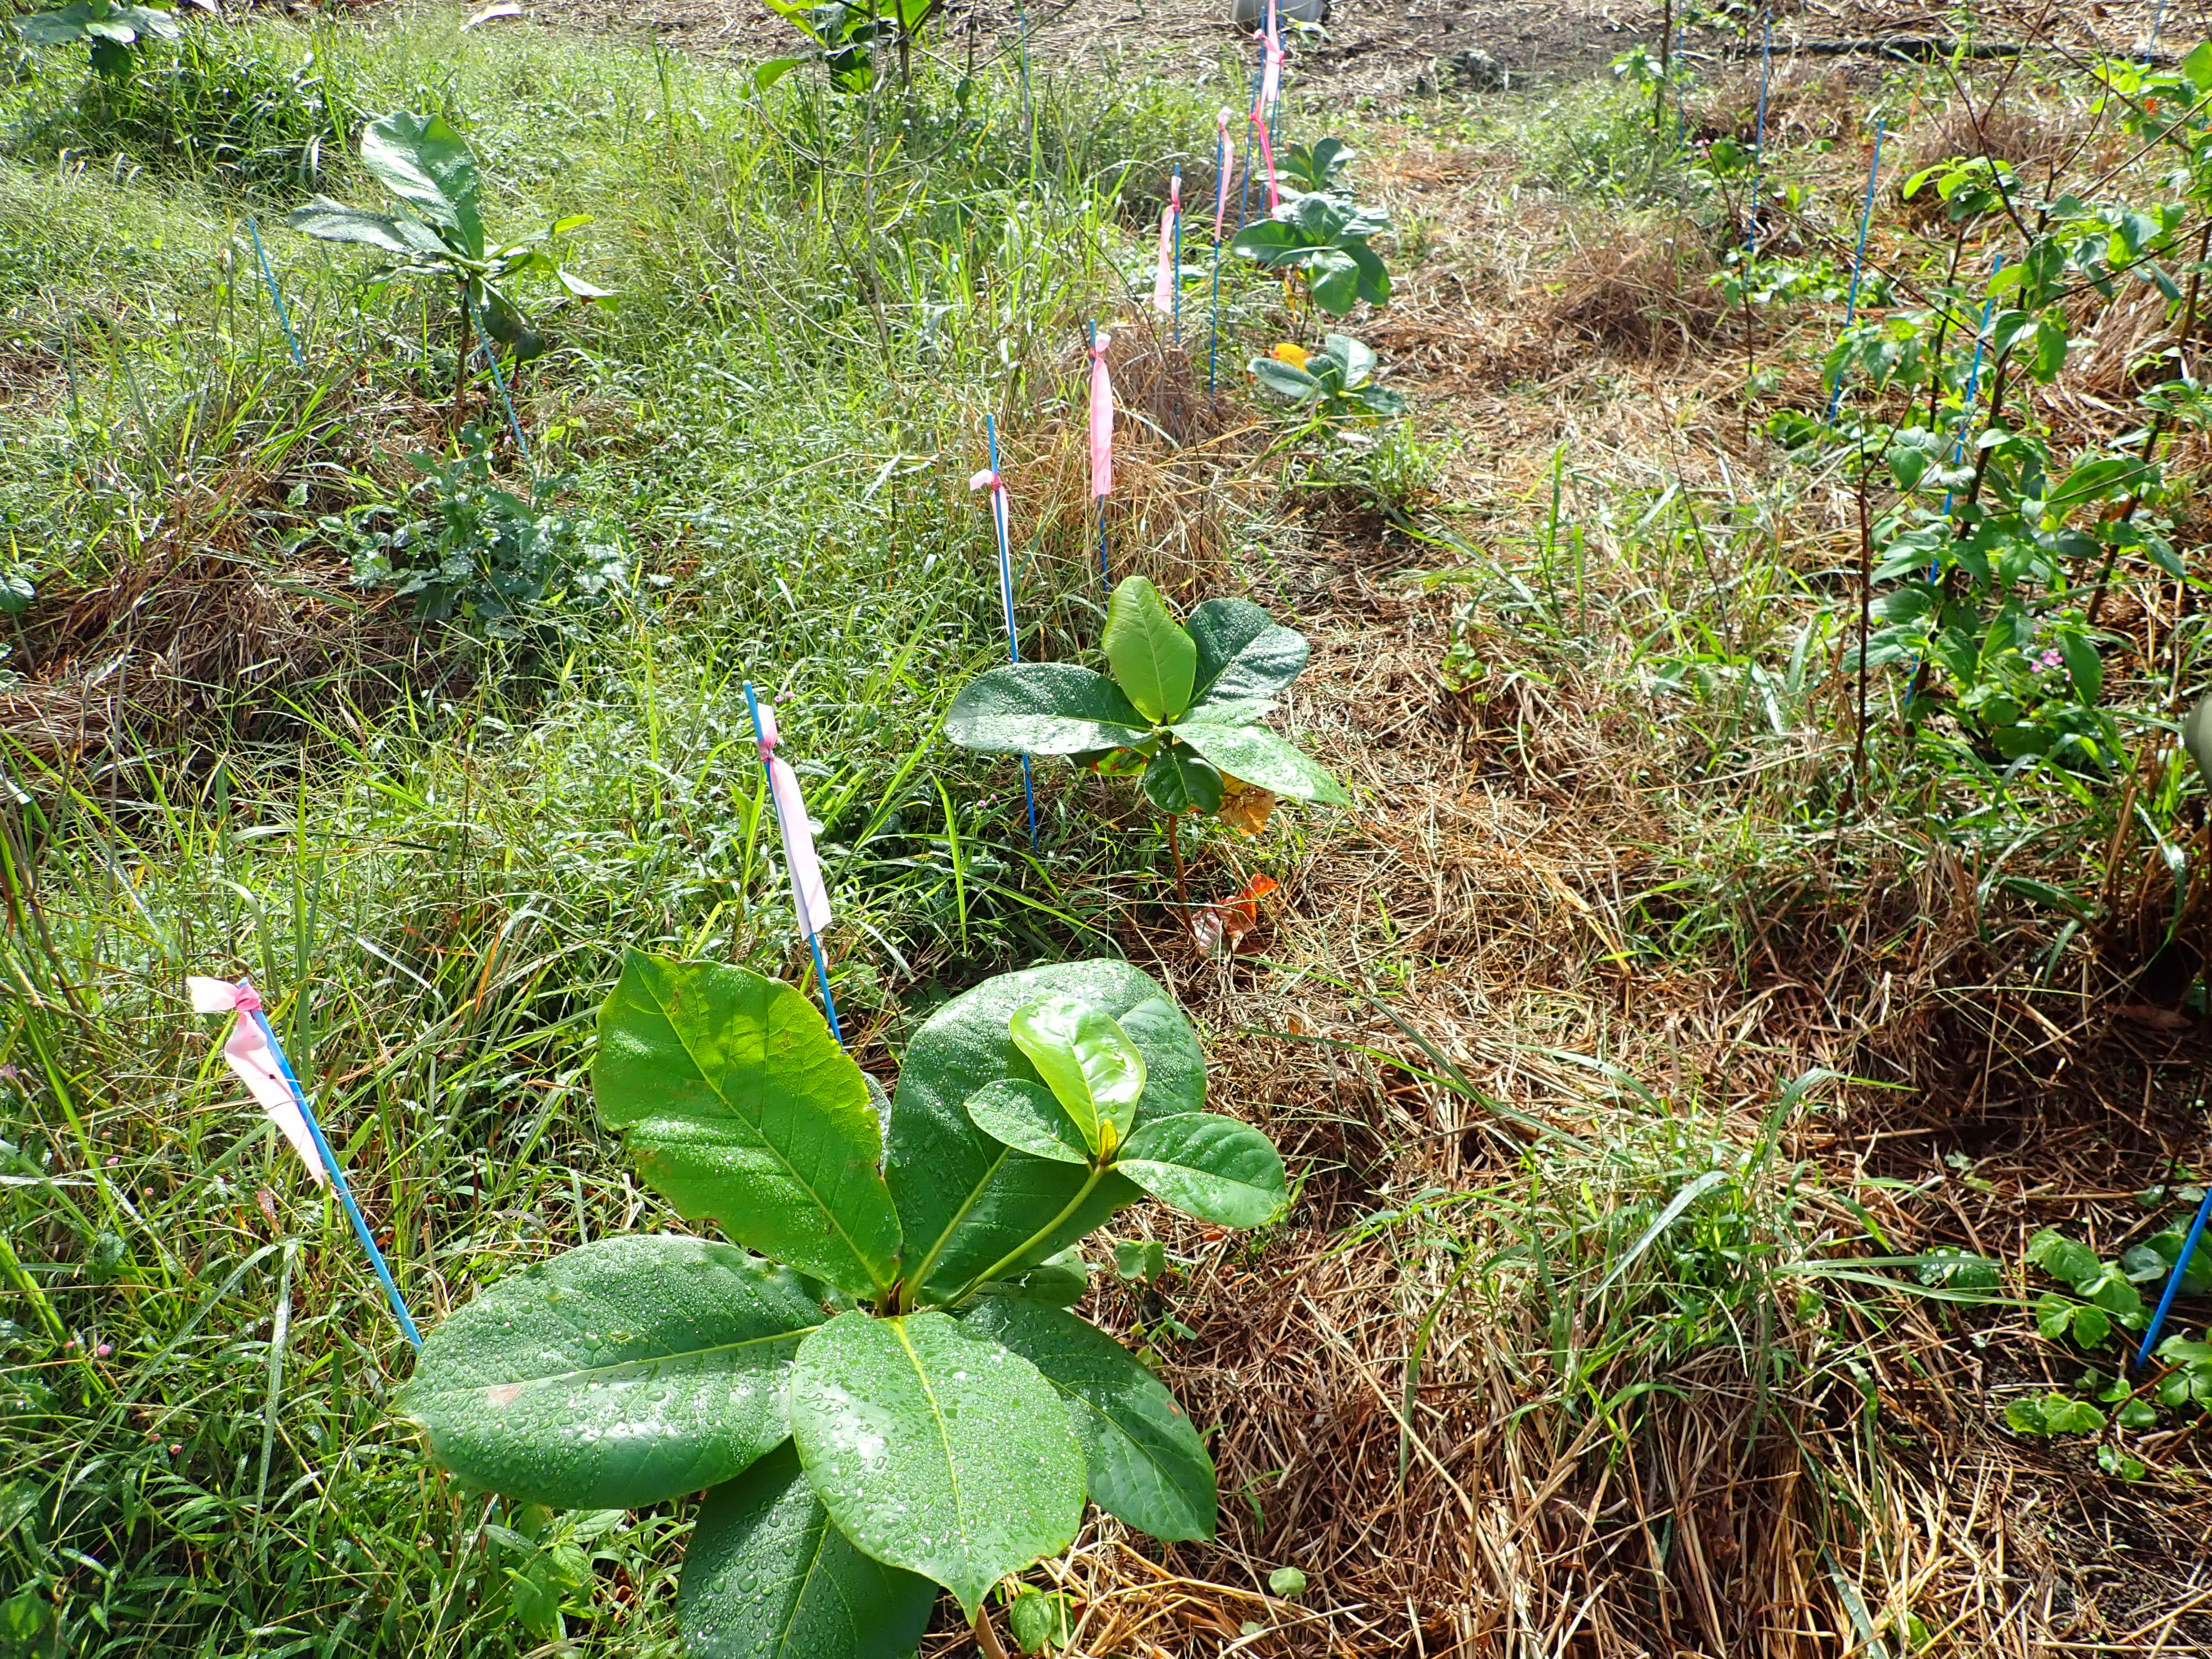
1176	302
1007	598
1758	138
2173	1280
491	361
820	967
276	293
1859	257
336	1175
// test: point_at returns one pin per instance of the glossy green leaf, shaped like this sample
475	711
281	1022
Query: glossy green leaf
623	1372
1153	661
1177	781
427	165
1259	756
1214	1167
1243	652
740	1106
1284	379
1026	1116
2197	738
1147	1465
965	1199
333	222
1088	1062
768	1576
1039	1622
1043	709
935	1448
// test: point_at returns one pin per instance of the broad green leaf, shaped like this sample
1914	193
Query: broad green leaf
427	165
1333	279
1284	379
1039	1622
1088	1062
62	28
2197	738
965	1200
935	1448
766	75
1231	711
1152	660
2064	1258
2054	1317
2092	1326
1243	655
2084	667
621	1373
1027	1117
333	222
740	1106
768	1576
1043	709
1177	781
1259	756
1214	1167
1147	1463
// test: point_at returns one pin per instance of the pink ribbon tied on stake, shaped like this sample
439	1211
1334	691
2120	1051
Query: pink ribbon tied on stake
810	897
246	1051
1101	418
1228	160
251	1050
1164	280
1271	77
991	481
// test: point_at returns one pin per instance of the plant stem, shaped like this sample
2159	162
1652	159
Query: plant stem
986	1637
1174	851
1098	1174
461	369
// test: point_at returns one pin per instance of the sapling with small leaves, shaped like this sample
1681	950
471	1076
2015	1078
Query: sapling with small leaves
1183	703
876	1379
430	167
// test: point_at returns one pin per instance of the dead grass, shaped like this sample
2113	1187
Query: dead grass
197	637
1805	1481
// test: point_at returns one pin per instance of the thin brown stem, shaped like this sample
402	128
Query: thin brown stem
986	1637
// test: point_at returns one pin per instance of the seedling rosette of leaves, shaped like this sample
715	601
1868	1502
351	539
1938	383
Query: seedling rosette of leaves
422	161
1326	238
877	1379
1181	704
113	31
1335	383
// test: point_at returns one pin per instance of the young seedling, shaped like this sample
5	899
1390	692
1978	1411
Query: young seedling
1326	238
422	161
1182	704
1336	383
113	31
875	1378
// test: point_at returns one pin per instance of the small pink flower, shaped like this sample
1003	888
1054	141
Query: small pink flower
104	1350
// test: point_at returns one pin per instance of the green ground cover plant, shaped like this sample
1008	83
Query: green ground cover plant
946	1415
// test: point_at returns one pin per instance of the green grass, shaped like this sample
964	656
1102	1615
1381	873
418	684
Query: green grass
818	300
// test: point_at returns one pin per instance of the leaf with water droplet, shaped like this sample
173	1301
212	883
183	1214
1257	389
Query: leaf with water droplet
738	1105
768	1576
621	1373
1145	1462
935	1448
